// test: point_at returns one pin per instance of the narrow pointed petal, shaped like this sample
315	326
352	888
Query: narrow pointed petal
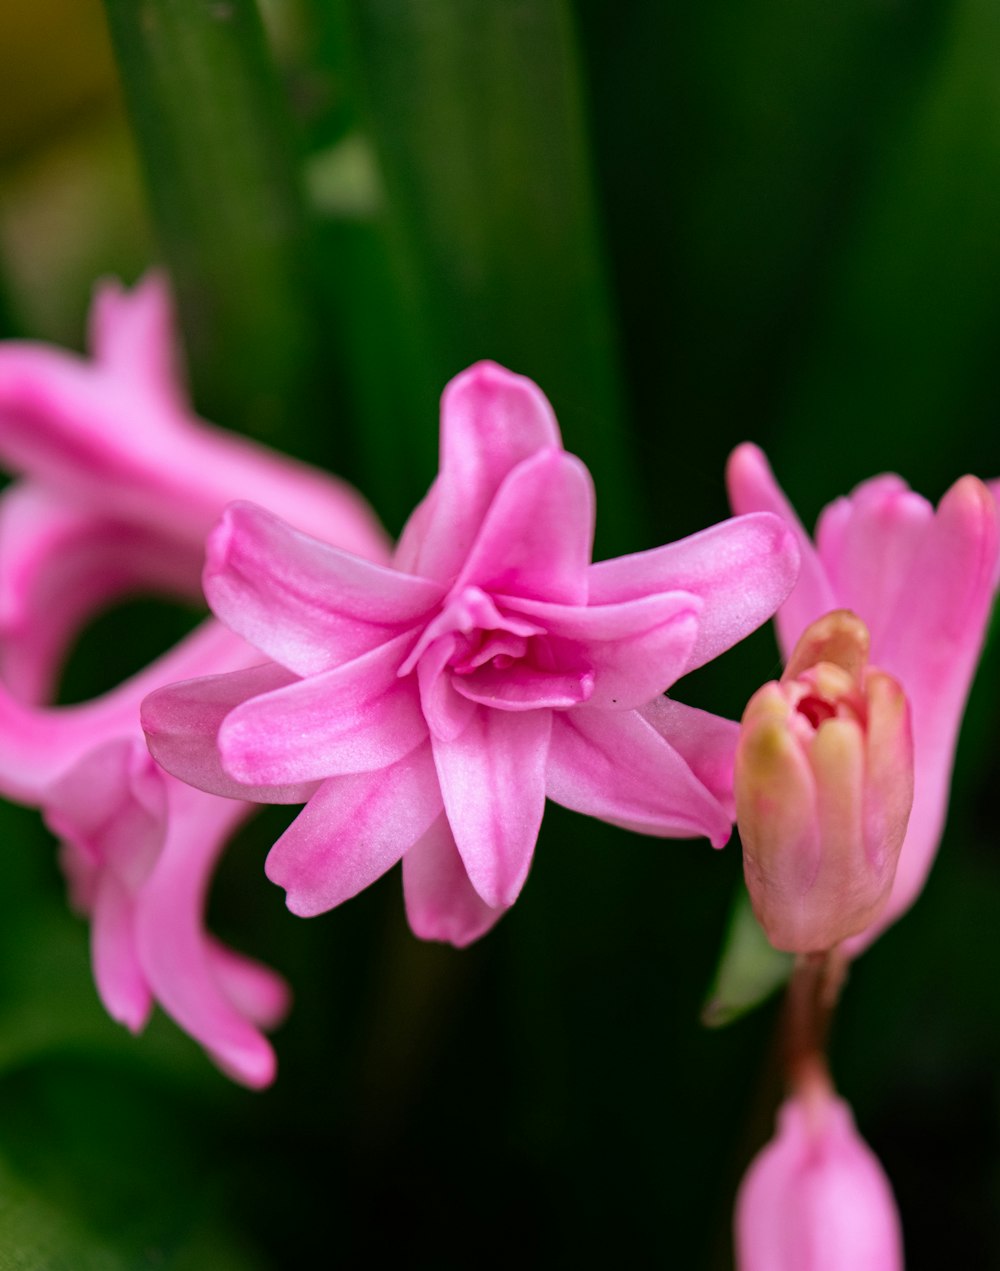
706	743
441	902
537	537
258	993
491	420
73	425
131	335
182	722
352	830
635	650
355	718
176	957
118	975
615	765
493	784
741	570
524	688
301	602
752	488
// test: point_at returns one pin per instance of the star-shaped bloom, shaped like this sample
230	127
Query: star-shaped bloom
922	580
428	708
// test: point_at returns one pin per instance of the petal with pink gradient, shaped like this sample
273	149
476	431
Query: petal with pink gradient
740	569
752	488
634	650
352	830
537	537
706	743
182	722
617	766
441	902
117	973
301	602
816	1198
491	420
181	964
356	718
493	784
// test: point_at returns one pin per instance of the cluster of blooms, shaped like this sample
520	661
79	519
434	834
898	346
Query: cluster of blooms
424	702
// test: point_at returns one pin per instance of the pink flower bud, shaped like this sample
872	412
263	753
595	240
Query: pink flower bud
824	784
816	1198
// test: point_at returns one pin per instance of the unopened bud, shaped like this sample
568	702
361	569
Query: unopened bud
816	1198
824	784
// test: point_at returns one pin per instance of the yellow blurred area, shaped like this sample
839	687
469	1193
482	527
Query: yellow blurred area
71	200
55	63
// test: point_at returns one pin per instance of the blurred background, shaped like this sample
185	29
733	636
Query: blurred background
692	225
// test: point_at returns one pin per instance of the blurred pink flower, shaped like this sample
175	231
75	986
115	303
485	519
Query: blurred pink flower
922	581
816	1198
121	484
824	784
433	705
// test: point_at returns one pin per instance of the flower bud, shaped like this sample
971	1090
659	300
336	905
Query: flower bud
824	784
816	1198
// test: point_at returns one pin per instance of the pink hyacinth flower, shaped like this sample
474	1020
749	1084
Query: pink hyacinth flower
438	702
922	580
121	484
816	1198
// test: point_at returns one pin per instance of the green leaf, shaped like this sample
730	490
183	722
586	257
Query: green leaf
217	148
749	971
477	122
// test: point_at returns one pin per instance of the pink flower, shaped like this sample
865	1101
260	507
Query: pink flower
816	1198
121	485
824	784
922	582
433	705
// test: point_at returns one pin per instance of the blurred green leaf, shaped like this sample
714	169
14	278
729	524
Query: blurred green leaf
218	151
476	116
749	971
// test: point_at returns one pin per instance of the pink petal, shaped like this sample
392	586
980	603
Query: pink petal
352	830
355	718
73	425
537	537
179	962
817	1199
62	564
446	711
616	766
493	784
523	688
741	570
491	420
752	488
132	335
182	722
259	994
868	544
936	638
117	973
303	603
441	903
706	743
635	649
